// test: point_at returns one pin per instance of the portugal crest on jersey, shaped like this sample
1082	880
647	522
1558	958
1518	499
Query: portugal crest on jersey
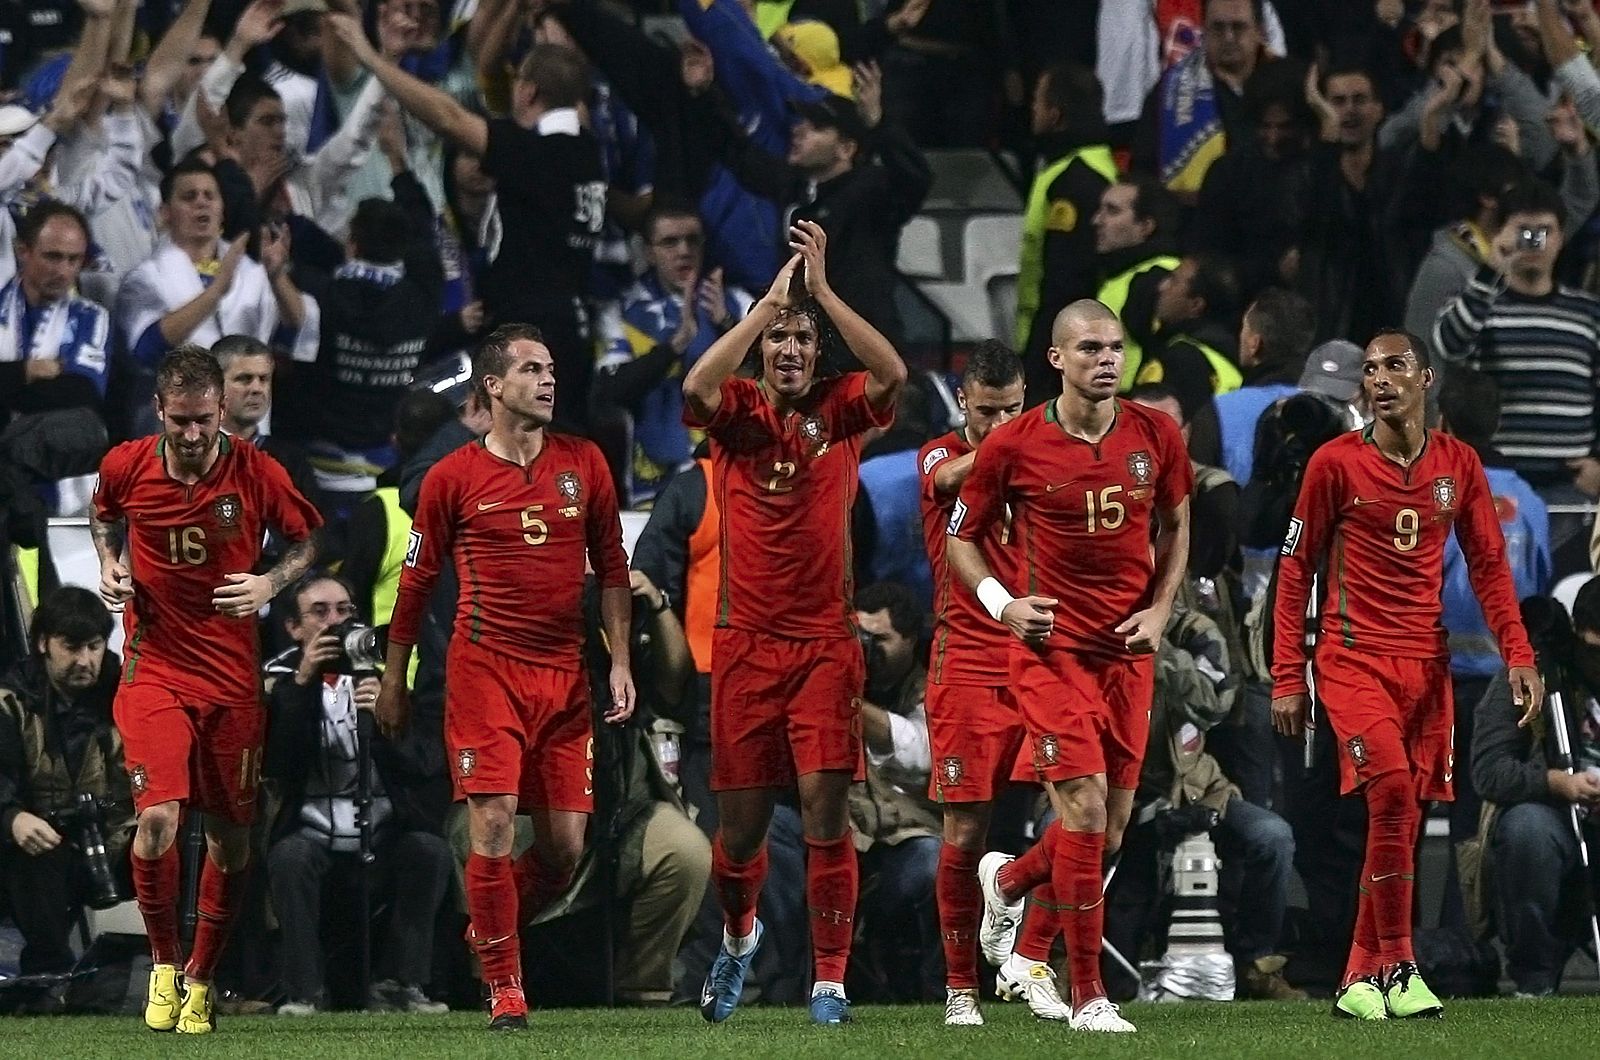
950	772
138	779
1140	467
466	761
571	490
1444	493
1358	751
814	431
227	510
1049	750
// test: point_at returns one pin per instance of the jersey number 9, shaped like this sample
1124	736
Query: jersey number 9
1407	529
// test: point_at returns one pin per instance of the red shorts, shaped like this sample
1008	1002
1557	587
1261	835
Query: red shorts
1389	714
516	728
180	749
975	733
783	708
1085	714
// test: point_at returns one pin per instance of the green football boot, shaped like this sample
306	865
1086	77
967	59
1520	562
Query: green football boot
1408	997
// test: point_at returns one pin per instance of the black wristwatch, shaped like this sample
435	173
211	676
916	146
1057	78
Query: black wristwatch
666	602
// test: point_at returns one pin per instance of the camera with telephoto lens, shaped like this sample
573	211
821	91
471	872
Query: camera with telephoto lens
871	654
1533	237
84	826
360	648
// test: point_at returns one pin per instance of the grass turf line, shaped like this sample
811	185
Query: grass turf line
1495	1030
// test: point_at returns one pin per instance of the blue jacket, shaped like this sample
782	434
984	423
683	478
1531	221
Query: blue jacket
74	331
893	490
1237	413
1526	525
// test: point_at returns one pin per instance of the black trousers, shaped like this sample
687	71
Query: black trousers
42	892
412	870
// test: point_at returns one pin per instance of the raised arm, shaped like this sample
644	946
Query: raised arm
886	370
702	387
433	107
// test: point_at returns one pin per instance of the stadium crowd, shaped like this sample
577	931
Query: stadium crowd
341	200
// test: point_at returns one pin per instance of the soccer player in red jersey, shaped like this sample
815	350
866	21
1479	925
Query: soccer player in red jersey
1090	481
786	669
973	724
1374	511
178	525
518	511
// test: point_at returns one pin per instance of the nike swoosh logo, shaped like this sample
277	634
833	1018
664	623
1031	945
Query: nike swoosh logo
1380	879
1059	486
1359	501
485	506
706	998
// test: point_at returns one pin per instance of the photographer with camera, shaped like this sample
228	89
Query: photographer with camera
316	692
66	811
898	828
1541	900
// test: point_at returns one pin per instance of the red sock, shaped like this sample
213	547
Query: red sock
1033	869
537	886
1077	886
738	887
1388	873
1041	923
221	894
492	908
155	882
960	906
831	886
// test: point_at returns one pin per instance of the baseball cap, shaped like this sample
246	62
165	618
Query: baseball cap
1334	370
16	120
450	377
832	112
817	45
300	7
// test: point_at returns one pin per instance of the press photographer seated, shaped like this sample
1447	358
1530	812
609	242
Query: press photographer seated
312	764
66	813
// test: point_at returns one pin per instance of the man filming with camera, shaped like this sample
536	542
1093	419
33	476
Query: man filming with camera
66	812
317	691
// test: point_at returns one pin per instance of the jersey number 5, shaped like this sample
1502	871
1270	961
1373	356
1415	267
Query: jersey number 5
534	530
1407	529
187	545
1107	514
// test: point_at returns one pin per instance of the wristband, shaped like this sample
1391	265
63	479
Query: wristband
993	596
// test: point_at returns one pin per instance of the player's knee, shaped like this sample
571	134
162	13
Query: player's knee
158	826
1083	806
965	831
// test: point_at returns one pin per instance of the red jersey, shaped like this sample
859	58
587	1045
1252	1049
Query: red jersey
969	647
183	540
519	537
785	484
1082	514
1383	529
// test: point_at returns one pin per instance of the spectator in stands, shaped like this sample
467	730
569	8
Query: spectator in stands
1514	322
59	748
247	372
1362	212
1469	408
53	344
672	315
1058	263
1214	505
1249	208
1197	107
311	756
1274	338
297	63
1196	350
378	534
886	522
898	827
939	67
852	172
1531	852
1135	238
551	201
379	310
195	288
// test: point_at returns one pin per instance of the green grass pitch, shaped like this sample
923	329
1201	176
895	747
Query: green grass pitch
1565	1028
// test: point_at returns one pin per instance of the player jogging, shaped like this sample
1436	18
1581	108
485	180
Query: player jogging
973	724
786	668
518	511
188	509
1089	480
1374	511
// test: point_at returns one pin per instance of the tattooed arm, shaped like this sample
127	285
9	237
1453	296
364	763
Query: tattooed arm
116	583
245	594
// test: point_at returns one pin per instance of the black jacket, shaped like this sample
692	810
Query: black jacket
412	768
